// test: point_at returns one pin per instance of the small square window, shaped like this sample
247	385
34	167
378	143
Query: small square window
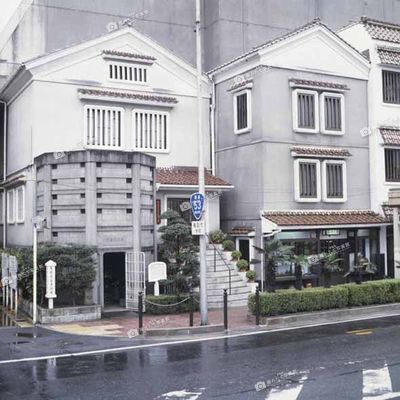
83	211
99	180
54	181
54	166
334	181
307	180
54	197
82	164
129	210
82	180
305	111
99	211
83	195
332	113
129	195
54	212
128	180
98	164
99	195
55	234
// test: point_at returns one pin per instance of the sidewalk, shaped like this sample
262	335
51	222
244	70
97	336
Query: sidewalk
239	321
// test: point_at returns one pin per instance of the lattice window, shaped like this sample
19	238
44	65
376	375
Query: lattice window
392	165
127	73
391	87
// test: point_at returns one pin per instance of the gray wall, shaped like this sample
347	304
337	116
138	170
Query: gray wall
231	26
253	161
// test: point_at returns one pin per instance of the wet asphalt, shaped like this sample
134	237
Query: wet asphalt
326	362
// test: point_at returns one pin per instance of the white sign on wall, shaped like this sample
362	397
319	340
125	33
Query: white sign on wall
157	271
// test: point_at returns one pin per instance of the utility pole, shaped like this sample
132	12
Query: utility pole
203	264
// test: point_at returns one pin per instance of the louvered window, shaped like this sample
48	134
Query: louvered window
391	87
332	113
104	127
11	206
242	111
128	73
305	111
151	131
392	165
334	181
308	180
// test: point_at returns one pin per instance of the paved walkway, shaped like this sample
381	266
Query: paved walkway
126	324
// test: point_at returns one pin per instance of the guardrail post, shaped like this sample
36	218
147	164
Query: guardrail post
191	302
140	304
225	310
257	306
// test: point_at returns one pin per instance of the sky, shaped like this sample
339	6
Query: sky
7	7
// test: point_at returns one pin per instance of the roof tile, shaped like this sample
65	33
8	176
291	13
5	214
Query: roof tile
390	136
186	176
381	30
128	55
319	84
389	55
320	151
324	218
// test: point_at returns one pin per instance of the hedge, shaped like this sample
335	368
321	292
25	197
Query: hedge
315	299
170	299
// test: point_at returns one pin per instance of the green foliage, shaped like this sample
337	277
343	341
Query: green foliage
75	271
331	261
251	275
236	255
171	299
228	245
301	260
217	237
340	296
178	251
243	265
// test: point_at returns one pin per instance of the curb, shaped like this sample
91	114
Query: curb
194	330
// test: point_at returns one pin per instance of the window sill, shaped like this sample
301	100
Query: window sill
300	200
392	183
247	130
332	133
395	105
300	130
334	200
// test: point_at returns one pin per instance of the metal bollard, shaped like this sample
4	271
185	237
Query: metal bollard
140	304
225	309
191	301
257	306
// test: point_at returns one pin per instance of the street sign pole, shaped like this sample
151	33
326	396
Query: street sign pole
202	241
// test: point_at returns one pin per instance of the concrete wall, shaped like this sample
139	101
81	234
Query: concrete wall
231	26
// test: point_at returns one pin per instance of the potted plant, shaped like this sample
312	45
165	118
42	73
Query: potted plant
251	280
329	263
217	237
236	255
274	252
228	245
243	266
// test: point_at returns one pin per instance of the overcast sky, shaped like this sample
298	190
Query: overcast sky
7	7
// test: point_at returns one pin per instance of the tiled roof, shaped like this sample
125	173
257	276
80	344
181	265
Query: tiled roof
328	85
128	55
241	230
389	55
380	30
390	136
324	218
186	176
320	151
303	28
129	95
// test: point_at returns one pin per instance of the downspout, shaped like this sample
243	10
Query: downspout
212	127
4	172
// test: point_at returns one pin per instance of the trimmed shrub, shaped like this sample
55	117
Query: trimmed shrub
163	300
236	254
217	237
251	275
315	299
228	245
243	265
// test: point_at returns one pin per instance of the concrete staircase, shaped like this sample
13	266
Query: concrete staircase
219	280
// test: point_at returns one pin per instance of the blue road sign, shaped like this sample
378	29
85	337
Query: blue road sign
197	203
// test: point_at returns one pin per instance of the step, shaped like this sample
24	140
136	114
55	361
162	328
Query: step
234	291
223	285
232	297
223	279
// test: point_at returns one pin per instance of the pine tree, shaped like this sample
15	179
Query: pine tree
179	252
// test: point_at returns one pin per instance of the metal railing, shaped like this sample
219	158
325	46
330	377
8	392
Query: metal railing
221	256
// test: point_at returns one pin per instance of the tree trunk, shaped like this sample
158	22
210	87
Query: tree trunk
298	273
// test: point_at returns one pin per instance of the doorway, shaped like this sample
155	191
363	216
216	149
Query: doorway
114	279
245	246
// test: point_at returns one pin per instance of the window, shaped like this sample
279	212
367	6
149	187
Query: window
332	113
307	180
180	205
11	206
391	87
305	111
334	185
392	165
20	204
127	73
151	131
1	208
104	127
242	111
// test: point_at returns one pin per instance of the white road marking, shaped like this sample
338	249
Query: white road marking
198	340
287	393
377	384
181	394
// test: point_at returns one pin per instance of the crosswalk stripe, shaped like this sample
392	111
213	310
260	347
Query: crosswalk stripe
290	393
377	384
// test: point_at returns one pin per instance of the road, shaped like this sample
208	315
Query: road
359	360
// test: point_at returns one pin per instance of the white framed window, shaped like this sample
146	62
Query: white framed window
307	180
11	206
151	131
242	112
332	113
20	204
305	111
124	72
334	181
103	127
1	208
